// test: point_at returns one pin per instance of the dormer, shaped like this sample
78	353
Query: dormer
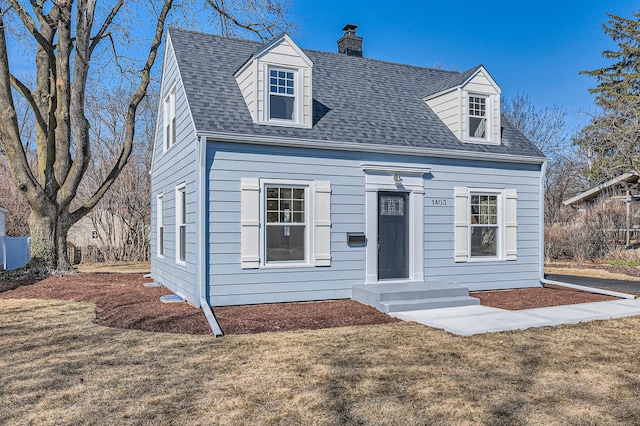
469	104
276	84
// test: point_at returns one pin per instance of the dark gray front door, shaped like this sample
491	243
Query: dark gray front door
393	234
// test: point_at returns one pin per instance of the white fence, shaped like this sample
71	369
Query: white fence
18	252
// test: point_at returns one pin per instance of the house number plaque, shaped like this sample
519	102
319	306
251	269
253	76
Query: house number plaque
438	202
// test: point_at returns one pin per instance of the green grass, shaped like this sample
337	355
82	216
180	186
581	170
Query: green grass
59	368
629	263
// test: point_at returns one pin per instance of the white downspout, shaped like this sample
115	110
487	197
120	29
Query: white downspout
201	271
543	280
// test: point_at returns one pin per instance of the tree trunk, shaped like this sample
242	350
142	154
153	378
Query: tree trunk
49	239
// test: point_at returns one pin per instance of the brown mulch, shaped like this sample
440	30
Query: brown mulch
539	297
123	301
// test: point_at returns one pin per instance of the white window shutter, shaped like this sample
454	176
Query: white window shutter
250	219
322	226
511	224
461	224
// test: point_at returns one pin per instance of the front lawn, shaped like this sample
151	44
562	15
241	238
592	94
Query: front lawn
58	367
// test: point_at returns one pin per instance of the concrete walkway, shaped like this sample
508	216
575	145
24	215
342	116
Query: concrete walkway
469	320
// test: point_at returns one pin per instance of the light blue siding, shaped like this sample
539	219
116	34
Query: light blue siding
482	275
170	169
230	284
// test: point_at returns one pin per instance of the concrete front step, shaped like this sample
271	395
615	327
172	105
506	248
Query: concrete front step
435	303
399	297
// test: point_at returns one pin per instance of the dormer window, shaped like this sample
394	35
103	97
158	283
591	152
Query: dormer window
282	94
469	105
276	84
477	117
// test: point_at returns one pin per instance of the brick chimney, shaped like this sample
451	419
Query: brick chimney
350	44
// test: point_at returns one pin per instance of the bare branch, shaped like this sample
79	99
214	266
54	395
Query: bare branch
131	116
28	22
105	26
28	96
254	28
9	130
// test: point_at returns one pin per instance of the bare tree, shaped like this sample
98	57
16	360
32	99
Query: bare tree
544	127
611	142
78	45
122	217
547	129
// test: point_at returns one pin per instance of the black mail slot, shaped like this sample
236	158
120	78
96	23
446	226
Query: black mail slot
356	238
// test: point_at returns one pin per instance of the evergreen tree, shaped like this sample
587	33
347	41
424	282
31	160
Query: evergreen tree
619	82
611	141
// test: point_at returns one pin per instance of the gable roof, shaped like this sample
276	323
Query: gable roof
356	101
589	194
455	80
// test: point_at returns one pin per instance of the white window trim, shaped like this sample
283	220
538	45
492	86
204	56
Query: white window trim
181	188
159	224
499	257
298	90
309	223
508	224
169	116
489	131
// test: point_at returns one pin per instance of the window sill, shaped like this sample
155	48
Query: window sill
165	150
181	263
485	259
286	265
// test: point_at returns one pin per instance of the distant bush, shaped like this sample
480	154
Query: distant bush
597	231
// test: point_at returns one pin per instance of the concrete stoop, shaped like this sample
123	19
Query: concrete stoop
402	297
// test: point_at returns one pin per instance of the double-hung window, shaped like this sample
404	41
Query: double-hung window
181	224
484	225
477	117
160	225
170	119
282	94
286	223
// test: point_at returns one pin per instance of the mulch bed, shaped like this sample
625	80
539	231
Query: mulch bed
540	297
123	301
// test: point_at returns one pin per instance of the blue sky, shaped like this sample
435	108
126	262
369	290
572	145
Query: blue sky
533	47
537	48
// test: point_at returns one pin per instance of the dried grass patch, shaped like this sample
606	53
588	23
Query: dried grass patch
116	267
59	368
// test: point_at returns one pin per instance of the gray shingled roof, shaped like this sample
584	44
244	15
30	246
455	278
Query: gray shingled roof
355	100
454	81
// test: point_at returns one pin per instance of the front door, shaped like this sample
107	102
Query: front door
393	233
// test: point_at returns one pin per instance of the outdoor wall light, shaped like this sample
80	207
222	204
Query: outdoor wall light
397	179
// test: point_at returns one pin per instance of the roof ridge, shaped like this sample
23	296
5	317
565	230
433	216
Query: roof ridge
175	28
260	43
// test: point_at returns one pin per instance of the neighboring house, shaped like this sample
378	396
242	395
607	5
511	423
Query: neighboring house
281	174
99	229
623	189
3	231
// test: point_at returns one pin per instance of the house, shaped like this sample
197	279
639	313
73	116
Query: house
3	246
92	237
281	174
619	193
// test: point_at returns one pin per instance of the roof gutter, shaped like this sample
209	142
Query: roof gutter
201	270
366	147
545	281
